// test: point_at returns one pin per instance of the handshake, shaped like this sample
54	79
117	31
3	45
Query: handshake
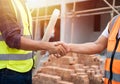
59	49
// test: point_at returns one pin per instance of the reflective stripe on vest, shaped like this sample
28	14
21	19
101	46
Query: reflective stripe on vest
116	77
15	56
113	82
1	38
117	55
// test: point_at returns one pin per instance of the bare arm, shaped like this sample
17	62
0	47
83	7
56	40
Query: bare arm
28	44
90	48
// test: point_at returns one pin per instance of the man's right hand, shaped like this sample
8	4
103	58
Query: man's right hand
62	49
58	49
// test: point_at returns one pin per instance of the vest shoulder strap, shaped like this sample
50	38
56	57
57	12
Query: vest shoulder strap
111	23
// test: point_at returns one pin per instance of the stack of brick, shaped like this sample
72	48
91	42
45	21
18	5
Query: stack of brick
70	69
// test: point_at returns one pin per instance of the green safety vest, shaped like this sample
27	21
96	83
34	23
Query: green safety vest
16	59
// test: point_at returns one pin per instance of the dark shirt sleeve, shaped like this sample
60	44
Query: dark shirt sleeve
9	27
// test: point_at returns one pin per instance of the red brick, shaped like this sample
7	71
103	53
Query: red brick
52	58
75	58
80	70
82	73
74	78
81	65
35	80
39	71
63	66
64	73
64	82
88	59
80	78
102	71
73	75
75	66
95	67
97	71
84	79
66	60
48	79
86	68
91	72
49	70
97	79
46	64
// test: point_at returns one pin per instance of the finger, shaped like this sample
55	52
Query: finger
65	45
59	50
57	55
62	51
58	43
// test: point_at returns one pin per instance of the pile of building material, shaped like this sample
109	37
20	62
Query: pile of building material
71	69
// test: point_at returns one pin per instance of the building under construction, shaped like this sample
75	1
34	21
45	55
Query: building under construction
79	21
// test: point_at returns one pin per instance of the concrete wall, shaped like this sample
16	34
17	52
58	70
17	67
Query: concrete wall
83	30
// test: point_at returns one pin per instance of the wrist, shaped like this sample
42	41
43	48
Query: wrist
50	46
43	45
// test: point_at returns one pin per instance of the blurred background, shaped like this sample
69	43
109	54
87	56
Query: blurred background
79	21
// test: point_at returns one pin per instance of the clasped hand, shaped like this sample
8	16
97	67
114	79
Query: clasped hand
59	49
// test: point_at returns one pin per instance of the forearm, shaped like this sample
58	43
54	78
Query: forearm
28	44
90	48
86	48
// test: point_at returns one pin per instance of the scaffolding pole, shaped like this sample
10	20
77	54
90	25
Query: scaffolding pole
63	21
36	26
73	19
112	14
89	14
94	11
111	6
45	20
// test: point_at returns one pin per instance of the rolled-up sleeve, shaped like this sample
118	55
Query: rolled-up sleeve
105	32
9	27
